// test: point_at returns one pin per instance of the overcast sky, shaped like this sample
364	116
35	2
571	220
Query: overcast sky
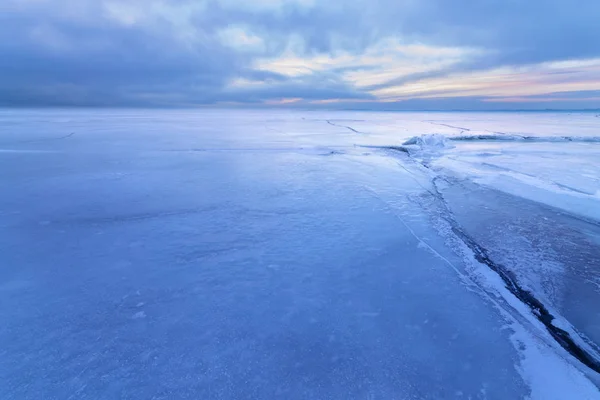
377	54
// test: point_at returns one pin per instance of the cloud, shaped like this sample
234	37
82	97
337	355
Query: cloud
530	80
299	52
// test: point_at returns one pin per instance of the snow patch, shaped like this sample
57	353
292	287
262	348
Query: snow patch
139	315
548	375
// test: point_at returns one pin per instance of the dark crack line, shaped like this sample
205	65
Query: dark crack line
463	130
42	140
395	148
66	136
539	310
537	307
504	169
343	126
449	126
502	137
520	138
50	139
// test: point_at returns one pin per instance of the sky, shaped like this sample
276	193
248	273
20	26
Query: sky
352	54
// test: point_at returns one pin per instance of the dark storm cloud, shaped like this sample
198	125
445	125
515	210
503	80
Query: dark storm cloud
61	52
520	31
52	60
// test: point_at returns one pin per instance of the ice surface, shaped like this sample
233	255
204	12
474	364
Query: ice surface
227	254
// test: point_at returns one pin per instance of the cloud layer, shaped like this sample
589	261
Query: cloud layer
314	53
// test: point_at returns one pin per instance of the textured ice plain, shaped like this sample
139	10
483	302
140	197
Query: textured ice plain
273	254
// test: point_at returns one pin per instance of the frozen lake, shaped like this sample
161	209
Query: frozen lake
228	254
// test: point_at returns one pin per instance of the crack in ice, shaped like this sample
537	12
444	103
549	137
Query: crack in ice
343	126
589	356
